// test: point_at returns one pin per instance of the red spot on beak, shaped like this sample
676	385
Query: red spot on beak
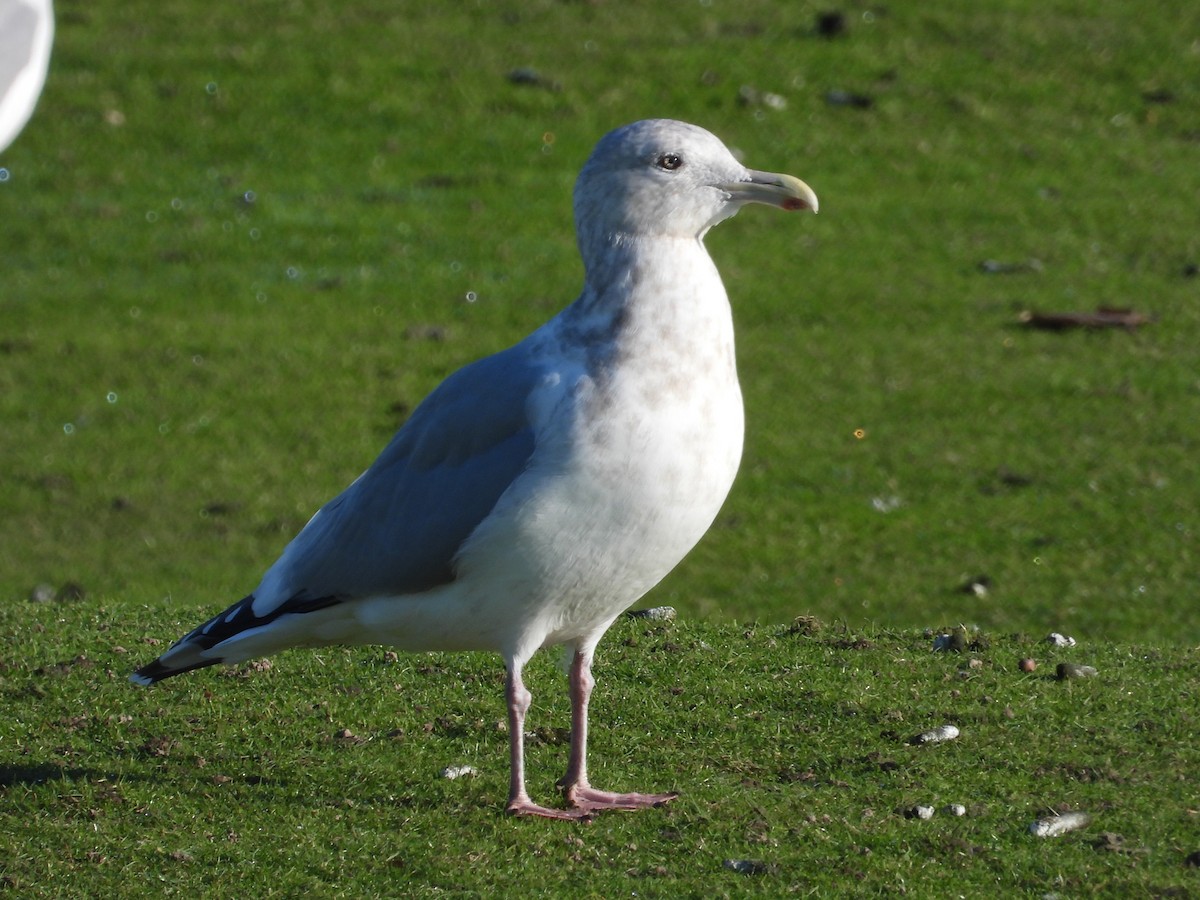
793	203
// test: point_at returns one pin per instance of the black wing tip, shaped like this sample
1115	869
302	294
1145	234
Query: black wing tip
236	619
154	672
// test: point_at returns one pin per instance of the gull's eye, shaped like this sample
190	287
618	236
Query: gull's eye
669	161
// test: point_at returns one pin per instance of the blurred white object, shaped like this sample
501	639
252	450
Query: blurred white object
936	735
1060	640
1052	826
26	33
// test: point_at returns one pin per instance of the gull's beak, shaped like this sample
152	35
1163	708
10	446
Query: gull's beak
784	191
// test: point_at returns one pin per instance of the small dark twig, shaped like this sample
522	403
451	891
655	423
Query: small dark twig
1103	317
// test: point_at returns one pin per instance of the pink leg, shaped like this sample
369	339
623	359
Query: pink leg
579	793
519	803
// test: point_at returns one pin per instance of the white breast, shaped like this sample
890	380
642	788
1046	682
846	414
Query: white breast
637	450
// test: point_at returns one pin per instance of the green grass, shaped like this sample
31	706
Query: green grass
188	370
790	750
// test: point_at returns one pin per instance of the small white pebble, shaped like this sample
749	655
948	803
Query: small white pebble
935	735
42	593
956	809
453	772
921	812
1060	640
1052	826
655	613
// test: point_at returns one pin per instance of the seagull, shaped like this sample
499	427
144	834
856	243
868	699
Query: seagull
26	33
538	493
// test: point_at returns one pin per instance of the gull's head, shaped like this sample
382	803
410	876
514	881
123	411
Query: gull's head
662	178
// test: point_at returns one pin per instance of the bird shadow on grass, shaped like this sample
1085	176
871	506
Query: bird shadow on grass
35	774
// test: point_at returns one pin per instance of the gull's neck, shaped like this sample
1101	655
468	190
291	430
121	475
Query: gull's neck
622	269
646	297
